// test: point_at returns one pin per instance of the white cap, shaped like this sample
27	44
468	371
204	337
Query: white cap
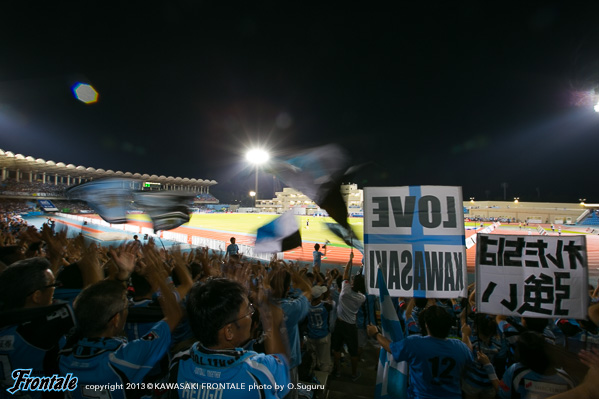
318	290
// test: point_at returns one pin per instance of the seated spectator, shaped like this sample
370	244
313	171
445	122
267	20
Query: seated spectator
221	319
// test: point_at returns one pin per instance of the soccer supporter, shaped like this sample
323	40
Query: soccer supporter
483	338
589	388
346	332
317	255
366	315
411	315
533	375
232	249
292	294
319	333
436	363
98	354
220	315
31	330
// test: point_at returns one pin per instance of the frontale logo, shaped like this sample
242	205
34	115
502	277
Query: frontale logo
56	383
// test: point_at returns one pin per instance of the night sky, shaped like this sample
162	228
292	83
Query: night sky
474	94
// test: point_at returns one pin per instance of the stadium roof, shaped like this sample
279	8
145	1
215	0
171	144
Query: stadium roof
29	164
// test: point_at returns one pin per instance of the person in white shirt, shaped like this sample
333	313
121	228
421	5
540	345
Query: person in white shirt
351	298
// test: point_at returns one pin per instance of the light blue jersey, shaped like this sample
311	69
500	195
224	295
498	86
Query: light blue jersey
101	361
436	365
228	374
294	310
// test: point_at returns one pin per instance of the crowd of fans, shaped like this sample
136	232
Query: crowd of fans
14	187
206	197
138	314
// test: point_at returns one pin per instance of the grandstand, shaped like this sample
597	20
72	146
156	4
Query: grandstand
26	177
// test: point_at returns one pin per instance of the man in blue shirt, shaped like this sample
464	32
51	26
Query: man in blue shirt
294	302
436	363
317	255
232	249
99	356
319	332
217	366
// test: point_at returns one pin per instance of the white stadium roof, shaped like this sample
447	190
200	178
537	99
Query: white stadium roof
28	164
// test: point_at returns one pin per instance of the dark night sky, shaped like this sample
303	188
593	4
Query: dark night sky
473	93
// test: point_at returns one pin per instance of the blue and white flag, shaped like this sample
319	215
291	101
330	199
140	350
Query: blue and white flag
280	235
391	376
167	209
347	235
110	198
318	174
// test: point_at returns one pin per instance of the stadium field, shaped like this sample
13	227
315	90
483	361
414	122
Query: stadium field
248	224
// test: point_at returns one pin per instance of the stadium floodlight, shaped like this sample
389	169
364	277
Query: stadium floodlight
85	93
257	157
596	107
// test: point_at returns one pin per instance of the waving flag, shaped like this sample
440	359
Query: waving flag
110	198
391	376
167	209
280	235
348	236
318	174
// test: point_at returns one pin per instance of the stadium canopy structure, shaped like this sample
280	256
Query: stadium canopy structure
27	168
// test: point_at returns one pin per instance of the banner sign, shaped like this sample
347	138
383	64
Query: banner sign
532	276
47	206
417	236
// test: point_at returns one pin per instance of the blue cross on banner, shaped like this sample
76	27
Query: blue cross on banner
416	234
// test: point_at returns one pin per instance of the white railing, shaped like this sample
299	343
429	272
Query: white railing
584	215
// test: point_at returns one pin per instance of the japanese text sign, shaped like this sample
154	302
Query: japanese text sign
532	276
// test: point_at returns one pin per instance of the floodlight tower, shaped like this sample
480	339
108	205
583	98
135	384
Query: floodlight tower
257	157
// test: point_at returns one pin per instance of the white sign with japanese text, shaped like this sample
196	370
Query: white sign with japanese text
532	276
416	234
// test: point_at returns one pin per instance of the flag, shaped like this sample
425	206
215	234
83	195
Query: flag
109	198
391	376
280	235
318	174
167	209
348	236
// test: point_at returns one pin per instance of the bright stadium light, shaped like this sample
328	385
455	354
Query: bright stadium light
85	93
596	107
257	157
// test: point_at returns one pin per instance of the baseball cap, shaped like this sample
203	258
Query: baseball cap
318	290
